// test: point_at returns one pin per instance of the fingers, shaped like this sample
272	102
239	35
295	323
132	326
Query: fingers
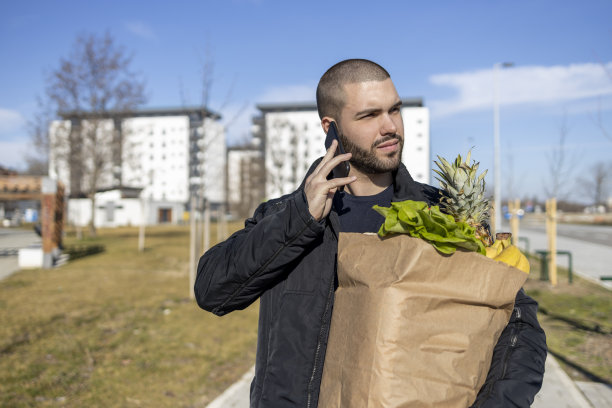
319	193
328	156
318	190
331	164
339	182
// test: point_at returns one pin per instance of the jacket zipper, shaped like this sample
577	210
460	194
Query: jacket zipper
321	334
261	269
513	341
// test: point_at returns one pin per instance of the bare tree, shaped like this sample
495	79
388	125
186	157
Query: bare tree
600	123
560	165
92	90
248	190
37	159
283	172
595	184
204	137
278	156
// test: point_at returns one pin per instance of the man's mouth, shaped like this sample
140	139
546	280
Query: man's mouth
389	145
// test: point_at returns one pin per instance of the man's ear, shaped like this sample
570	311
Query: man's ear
325	123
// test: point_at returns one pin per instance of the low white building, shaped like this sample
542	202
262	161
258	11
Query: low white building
292	138
166	155
124	207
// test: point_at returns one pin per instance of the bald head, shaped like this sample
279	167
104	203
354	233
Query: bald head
330	91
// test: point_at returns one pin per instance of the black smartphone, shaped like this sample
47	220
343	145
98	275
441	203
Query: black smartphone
341	170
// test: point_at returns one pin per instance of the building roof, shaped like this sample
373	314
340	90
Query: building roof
310	106
162	111
7	172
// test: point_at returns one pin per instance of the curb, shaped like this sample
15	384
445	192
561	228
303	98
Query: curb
229	396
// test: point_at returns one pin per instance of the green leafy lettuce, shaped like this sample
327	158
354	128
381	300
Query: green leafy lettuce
419	220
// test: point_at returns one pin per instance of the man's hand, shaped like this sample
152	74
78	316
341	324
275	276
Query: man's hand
320	191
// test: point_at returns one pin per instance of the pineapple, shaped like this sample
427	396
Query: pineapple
463	194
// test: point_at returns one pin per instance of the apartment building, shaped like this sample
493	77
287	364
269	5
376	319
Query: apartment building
292	138
152	162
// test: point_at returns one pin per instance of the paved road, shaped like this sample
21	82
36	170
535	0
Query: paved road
589	233
17	238
592	257
14	238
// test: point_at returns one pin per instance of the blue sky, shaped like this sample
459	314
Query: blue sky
275	51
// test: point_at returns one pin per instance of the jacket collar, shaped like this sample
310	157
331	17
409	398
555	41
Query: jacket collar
404	188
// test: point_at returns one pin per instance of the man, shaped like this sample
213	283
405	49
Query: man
286	254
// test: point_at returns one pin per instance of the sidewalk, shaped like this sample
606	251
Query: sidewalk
558	391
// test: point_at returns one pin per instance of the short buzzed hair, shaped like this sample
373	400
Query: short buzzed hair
330	91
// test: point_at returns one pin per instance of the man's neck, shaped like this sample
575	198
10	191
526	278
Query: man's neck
368	184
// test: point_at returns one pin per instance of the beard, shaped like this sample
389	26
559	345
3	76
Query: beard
366	161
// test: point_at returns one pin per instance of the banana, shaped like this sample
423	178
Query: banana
492	252
497	247
512	256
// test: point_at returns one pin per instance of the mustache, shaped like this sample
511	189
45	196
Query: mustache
386	139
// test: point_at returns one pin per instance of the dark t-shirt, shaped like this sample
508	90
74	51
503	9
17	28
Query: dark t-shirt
356	213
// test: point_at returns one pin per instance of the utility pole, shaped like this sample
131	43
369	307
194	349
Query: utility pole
497	147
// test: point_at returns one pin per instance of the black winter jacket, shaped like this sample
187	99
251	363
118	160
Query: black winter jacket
288	260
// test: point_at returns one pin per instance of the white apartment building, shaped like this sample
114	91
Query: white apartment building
154	161
292	139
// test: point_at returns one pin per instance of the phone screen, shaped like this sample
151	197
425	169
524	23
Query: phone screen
341	170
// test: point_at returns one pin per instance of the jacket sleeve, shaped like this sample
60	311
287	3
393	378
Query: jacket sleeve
517	366
234	273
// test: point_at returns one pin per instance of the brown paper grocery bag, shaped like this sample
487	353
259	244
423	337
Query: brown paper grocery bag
412	327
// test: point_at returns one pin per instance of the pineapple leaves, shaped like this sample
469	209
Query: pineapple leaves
419	220
463	191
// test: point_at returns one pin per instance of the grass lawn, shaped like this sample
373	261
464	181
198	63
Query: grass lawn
577	319
118	329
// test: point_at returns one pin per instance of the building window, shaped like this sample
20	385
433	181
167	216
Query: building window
110	211
164	215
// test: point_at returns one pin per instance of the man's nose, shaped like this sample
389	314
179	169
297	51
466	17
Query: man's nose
388	125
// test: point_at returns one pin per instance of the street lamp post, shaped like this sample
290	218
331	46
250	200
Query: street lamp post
497	154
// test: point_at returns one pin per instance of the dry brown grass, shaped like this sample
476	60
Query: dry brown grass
117	329
577	322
